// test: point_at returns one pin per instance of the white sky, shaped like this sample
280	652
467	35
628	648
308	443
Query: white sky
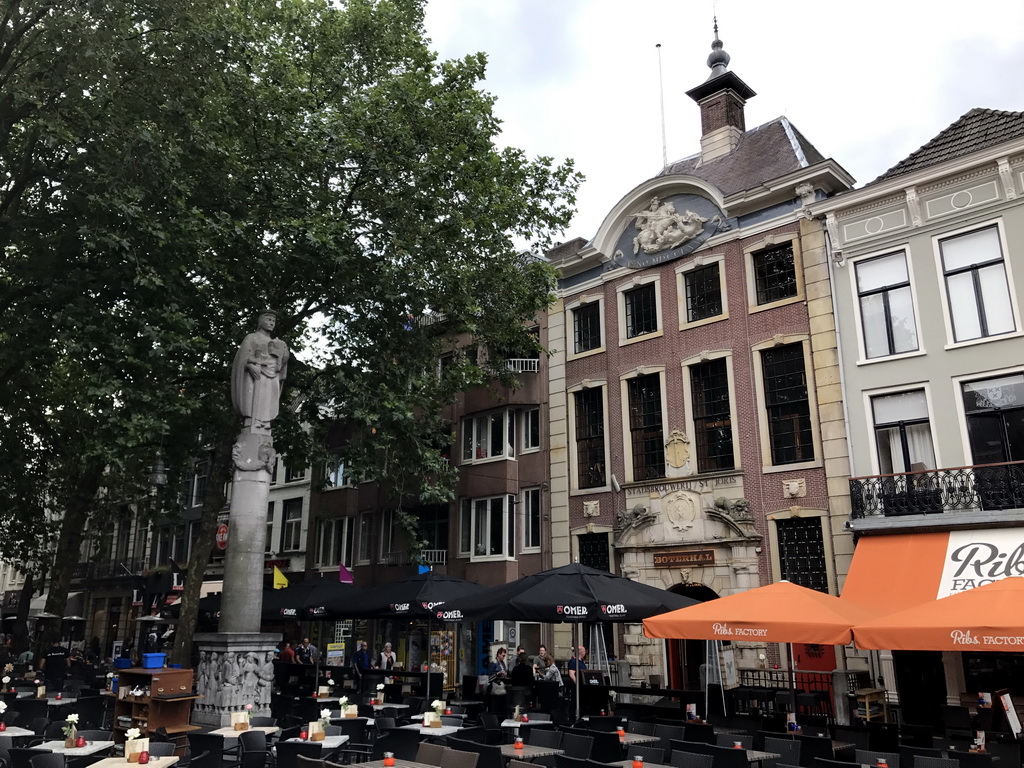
867	82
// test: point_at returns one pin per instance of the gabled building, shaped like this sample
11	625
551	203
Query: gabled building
695	405
928	268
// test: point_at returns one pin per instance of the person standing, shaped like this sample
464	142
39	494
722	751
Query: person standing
307	653
287	654
577	663
54	665
388	660
361	659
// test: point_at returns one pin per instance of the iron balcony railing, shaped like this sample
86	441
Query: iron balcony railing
933	491
426	557
523	365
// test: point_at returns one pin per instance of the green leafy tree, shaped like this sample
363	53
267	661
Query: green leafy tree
169	168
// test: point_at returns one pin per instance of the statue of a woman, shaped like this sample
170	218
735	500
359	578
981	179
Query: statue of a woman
258	373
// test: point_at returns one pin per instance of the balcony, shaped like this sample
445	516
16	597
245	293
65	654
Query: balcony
432	557
982	492
523	365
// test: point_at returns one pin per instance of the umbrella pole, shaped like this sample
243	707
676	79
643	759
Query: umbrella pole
427	687
579	672
792	679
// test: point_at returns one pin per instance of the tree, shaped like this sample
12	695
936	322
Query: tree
172	167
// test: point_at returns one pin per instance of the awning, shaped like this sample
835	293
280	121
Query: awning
895	572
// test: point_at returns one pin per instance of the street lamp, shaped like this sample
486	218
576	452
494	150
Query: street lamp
158	475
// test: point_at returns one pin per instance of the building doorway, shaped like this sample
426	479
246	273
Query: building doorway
685	657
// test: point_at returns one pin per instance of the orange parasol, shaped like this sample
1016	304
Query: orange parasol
782	612
986	618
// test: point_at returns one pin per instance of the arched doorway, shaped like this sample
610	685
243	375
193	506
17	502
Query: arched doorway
686	656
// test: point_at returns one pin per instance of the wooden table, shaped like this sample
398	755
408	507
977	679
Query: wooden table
528	752
90	748
444	730
120	762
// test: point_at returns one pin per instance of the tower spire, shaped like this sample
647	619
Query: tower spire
718	61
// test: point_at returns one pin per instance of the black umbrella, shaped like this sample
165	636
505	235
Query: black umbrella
573	593
422	595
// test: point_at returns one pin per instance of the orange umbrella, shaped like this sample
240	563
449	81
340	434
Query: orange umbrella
776	613
986	618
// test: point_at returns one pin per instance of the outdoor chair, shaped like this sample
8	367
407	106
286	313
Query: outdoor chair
574	745
10	717
640	726
252	749
457	758
21	757
821	762
651	753
55	730
309	762
592	763
788	748
49	760
697	747
916	736
564	761
160	748
682	759
922	761
401	742
727	757
909	755
883	737
212	745
540	717
288	752
974	759
812	747
429	753
519	764
544	737
871	757
263	721
956	718
699	732
851	735
38	726
451	720
95	734
604	723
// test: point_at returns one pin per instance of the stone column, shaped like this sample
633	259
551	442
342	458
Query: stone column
236	664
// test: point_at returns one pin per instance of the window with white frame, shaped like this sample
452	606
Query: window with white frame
712	415
641	307
702	293
775	274
337	474
295	474
787	402
591	470
530	508
646	428
387	535
886	305
491	526
466	528
586	327
903	434
976	285
268	545
291	525
365	536
335	542
531	429
488	436
199	484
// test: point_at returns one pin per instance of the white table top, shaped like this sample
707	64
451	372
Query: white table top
328	742
444	730
50	698
229	732
509	723
392	706
119	762
90	748
17	733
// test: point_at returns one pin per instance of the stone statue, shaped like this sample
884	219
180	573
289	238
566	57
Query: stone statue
636	517
257	375
266	680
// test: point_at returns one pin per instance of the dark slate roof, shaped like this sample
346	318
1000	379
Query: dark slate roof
764	153
978	129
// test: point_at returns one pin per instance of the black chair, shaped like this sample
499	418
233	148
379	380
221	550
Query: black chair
780	745
204	760
727	757
682	759
651	753
699	732
923	761
821	762
908	754
606	745
576	745
851	735
212	745
604	723
262	721
252	749
973	759
640	726
311	762
288	752
10	717
956	718
883	737
815	747
399	741
916	735
55	730
159	748
49	760
490	756
666	734
544	737
38	725
21	757
564	761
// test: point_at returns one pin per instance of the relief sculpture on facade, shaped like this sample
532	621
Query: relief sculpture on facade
661	227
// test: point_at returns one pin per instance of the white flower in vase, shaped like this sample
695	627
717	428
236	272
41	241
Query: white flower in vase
132	733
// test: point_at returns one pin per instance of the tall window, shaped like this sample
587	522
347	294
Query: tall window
531	429
337	474
590	459
902	432
488	436
387	536
641	310
291	526
199	484
787	403
293	474
703	293
979	297
647	436
995	418
586	327
491	526
886	306
712	418
335	543
802	552
365	536
269	543
774	274
531	518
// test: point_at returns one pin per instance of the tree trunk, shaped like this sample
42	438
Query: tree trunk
19	634
213	503
69	545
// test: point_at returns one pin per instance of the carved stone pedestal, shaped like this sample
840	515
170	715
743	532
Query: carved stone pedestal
234	669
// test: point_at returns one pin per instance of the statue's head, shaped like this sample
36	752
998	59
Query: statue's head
267	320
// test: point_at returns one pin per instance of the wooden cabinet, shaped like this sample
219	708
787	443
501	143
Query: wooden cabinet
872	704
165	701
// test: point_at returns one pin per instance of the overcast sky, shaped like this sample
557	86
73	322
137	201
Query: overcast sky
867	82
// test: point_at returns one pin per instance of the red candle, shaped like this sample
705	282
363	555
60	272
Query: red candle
3	726
143	757
80	741
303	734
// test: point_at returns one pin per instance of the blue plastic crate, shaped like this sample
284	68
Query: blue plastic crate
153	660
122	663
